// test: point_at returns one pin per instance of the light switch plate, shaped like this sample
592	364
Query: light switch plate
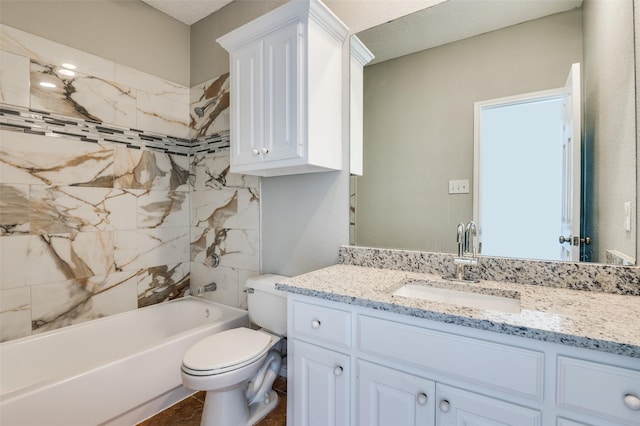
459	186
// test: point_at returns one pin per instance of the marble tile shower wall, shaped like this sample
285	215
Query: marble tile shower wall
98	219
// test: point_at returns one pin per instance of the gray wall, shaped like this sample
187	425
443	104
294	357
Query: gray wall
127	32
610	130
418	126
208	58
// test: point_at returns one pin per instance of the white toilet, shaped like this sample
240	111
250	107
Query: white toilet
237	367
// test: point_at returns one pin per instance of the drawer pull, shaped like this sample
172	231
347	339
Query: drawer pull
337	371
255	151
632	402
422	398
315	324
265	151
444	406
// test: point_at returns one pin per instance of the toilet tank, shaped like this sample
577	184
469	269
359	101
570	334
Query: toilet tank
267	306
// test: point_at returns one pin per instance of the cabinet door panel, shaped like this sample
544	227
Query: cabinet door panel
282	94
456	407
390	397
247	81
321	386
598	389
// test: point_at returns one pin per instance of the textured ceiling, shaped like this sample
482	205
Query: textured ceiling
188	11
452	21
406	32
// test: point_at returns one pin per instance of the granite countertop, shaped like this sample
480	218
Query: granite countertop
593	320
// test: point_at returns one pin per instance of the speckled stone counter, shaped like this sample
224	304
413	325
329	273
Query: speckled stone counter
586	319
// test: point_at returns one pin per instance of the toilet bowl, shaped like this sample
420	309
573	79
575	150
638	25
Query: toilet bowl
237	367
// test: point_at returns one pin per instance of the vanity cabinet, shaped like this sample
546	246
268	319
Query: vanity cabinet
459	407
286	91
392	397
378	368
322	386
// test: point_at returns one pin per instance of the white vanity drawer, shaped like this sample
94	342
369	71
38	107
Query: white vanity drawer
322	324
499	366
599	389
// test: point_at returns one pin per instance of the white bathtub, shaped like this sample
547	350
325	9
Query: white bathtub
116	370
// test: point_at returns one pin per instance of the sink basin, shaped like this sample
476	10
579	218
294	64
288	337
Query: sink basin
461	295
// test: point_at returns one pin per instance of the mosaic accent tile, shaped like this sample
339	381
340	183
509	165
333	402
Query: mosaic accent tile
17	119
14	209
14	79
59	304
162	283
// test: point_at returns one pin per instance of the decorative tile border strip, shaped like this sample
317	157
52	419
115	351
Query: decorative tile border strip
43	123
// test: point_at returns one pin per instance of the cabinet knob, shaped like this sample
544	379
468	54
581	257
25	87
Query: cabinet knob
444	406
265	150
255	151
315	324
338	371
632	402
422	398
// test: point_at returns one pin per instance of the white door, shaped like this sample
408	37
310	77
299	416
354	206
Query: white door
247	86
456	407
393	398
518	174
320	386
571	148
527	171
282	104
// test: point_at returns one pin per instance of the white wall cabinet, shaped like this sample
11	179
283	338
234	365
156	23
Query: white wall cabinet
360	56
286	91
397	370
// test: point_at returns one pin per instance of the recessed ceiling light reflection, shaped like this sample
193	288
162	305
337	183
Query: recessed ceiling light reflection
67	72
47	84
69	66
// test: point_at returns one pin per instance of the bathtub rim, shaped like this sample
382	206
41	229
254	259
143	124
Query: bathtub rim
68	376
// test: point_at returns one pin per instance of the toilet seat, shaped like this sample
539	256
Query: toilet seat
226	351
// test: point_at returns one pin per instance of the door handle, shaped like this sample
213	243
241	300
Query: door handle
574	240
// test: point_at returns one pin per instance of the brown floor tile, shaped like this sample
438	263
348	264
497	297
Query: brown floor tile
189	411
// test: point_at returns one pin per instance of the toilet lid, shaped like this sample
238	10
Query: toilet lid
226	349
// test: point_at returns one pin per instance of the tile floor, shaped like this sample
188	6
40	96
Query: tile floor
187	412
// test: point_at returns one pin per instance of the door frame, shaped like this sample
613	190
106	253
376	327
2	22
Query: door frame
478	107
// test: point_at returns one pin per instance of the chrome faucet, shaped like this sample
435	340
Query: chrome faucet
467	252
460	239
